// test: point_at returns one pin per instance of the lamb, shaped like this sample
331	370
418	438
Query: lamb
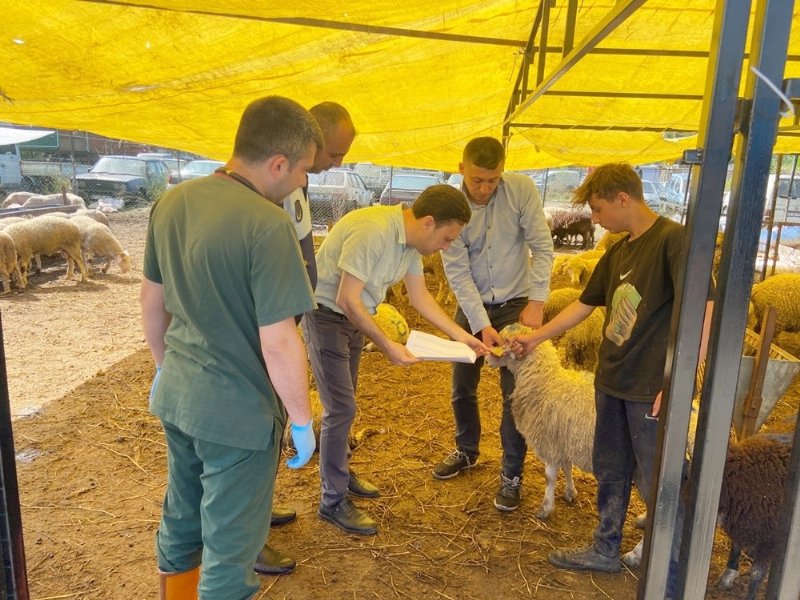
47	235
8	261
97	240
751	498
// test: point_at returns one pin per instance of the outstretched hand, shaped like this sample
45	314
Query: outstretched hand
304	444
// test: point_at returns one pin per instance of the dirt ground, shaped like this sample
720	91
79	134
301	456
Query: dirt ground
91	469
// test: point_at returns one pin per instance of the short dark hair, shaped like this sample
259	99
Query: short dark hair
485	152
444	203
608	180
330	115
275	125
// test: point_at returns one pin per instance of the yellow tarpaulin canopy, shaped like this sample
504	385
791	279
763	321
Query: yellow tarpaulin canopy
419	78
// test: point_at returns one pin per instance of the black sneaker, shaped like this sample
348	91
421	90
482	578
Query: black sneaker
507	498
584	559
453	464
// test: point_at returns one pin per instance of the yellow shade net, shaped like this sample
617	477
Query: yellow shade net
419	78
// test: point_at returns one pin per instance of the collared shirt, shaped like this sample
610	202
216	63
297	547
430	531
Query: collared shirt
296	204
370	244
504	252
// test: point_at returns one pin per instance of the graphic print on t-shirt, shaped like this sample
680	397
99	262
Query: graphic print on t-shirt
623	313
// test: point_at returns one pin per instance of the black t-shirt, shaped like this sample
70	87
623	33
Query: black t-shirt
635	281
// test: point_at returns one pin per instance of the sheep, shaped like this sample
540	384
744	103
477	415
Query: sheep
8	261
10	221
554	409
47	235
433	264
579	267
581	343
97	240
95	214
751	499
557	301
570	223
783	292
17	198
609	239
61	198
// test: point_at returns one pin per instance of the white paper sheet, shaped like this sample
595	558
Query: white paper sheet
430	347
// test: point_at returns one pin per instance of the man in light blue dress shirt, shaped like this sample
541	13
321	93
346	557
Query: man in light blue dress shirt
499	268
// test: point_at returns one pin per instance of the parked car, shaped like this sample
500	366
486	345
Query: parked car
456	179
651	197
405	187
195	169
668	194
173	164
375	176
126	177
333	193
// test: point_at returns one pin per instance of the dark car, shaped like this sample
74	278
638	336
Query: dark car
405	187
199	168
127	177
334	193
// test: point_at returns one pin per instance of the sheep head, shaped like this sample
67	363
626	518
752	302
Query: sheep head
500	357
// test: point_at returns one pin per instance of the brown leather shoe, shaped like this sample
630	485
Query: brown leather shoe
361	487
347	517
282	515
272	562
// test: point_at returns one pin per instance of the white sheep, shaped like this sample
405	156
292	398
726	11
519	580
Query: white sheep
580	267
8	261
47	235
10	221
97	240
95	214
17	199
782	292
66	199
554	410
581	343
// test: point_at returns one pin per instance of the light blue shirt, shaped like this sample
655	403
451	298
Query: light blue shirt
370	244
504	252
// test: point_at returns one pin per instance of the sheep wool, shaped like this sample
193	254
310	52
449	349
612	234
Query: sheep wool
554	410
391	323
582	343
753	484
433	264
8	262
557	301
782	292
97	240
47	235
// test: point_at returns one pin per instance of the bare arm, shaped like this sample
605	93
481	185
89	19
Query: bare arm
348	298
427	306
155	318
566	319
285	357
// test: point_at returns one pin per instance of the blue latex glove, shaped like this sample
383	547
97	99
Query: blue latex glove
154	385
304	444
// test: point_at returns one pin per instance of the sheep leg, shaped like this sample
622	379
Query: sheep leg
757	573
6	284
569	485
633	559
550	475
731	572
77	260
38	259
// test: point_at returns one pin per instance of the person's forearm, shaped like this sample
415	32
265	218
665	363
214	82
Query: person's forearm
285	357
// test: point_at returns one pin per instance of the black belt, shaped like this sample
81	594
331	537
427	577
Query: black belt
502	304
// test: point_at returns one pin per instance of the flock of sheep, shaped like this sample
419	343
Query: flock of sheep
553	405
78	237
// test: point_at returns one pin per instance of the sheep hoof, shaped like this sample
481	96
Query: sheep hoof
570	496
544	512
725	581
